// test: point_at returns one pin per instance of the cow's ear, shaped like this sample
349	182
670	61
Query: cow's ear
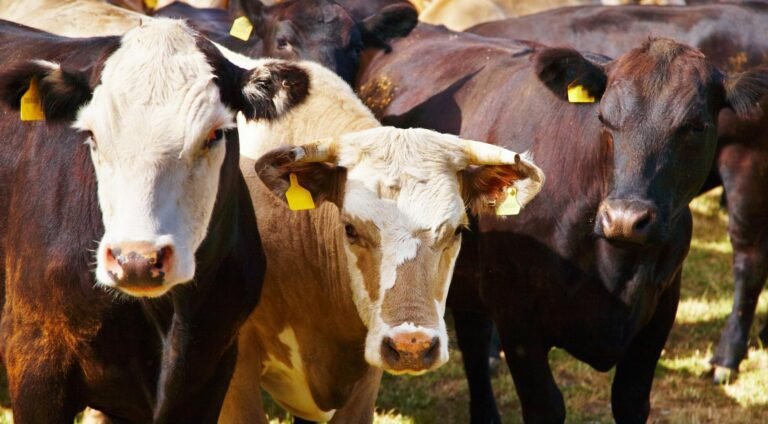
270	90
251	9
324	180
558	68
61	92
743	91
486	187
393	21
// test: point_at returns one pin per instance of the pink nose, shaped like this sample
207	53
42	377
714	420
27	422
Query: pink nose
138	266
629	221
410	351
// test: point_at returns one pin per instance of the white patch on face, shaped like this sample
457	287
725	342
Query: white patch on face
150	116
428	197
288	385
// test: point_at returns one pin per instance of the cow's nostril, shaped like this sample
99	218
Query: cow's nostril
389	350
163	256
643	221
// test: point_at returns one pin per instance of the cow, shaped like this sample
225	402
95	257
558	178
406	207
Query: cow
598	254
358	284
130	253
319	30
724	32
459	15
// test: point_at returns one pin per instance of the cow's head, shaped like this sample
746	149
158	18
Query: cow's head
157	116
322	31
402	195
658	109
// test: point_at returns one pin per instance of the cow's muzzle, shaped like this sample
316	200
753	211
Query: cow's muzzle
630	221
410	352
139	268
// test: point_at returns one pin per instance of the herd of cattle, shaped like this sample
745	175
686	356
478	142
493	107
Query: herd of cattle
157	268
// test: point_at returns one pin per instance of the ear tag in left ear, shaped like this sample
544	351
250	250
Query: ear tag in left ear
241	28
578	94
510	206
298	197
31	108
150	4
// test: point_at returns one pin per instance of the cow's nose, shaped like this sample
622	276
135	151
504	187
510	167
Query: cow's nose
410	351
138	267
627	220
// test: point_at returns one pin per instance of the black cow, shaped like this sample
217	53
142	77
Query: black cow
728	35
319	30
150	179
597	255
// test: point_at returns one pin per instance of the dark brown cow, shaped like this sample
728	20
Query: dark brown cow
319	30
597	258
136	340
728	35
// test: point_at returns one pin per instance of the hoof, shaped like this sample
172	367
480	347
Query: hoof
723	375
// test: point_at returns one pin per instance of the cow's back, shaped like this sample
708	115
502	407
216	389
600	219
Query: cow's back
729	34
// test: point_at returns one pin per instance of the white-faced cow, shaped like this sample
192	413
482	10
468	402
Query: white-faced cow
137	159
358	284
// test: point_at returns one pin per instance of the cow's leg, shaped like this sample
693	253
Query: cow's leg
631	389
750	268
41	392
745	178
473	333
528	362
243	403
360	406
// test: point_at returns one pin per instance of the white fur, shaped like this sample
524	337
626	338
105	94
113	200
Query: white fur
291	389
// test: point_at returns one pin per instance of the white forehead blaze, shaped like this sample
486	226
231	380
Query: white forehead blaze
153	110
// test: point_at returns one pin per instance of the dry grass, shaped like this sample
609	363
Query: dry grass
683	392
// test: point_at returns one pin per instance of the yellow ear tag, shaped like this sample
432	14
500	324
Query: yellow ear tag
31	108
578	94
241	28
298	197
510	206
150	4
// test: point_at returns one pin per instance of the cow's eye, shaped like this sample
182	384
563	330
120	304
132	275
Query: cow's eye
283	44
351	232
213	138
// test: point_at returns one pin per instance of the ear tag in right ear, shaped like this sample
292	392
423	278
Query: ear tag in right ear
510	206
241	28
150	4
578	94
31	108
298	197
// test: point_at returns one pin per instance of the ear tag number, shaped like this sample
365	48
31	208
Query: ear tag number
241	28
298	197
31	108
510	206
578	94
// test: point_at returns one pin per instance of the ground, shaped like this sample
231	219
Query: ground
682	392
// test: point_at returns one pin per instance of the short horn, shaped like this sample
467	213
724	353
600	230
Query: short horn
323	150
478	153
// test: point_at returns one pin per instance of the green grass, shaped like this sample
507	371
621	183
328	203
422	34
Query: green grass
682	393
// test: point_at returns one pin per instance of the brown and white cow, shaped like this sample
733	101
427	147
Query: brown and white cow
359	283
